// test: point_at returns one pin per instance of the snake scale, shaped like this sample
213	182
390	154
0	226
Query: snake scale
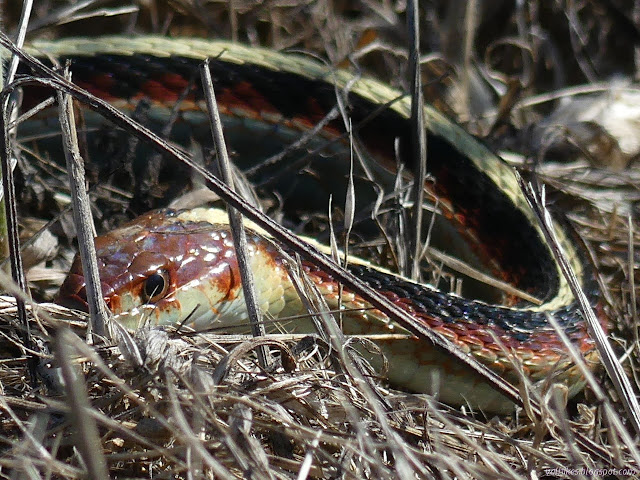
170	266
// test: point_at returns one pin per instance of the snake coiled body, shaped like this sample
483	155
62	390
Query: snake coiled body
188	259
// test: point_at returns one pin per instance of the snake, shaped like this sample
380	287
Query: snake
179	267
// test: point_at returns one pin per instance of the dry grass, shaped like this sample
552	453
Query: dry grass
168	405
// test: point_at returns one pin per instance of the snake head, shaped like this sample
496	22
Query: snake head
163	268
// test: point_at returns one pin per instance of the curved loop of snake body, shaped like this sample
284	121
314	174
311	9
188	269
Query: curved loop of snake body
170	265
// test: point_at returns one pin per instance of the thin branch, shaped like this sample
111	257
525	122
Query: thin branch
235	218
82	216
10	202
418	136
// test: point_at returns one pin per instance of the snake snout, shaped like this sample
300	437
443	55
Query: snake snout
73	293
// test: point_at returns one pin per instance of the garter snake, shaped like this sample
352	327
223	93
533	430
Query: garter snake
170	264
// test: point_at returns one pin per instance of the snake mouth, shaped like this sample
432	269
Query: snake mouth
73	293
74	302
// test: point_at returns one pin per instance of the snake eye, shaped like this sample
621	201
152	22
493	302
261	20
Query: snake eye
155	286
